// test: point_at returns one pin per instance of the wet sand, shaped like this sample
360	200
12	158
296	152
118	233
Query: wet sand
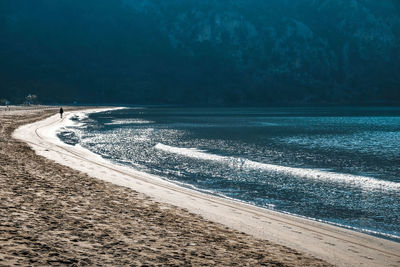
51	214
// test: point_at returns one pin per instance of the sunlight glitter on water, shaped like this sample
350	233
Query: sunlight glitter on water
338	167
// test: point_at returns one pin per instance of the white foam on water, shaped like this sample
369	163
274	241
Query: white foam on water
130	121
305	173
74	119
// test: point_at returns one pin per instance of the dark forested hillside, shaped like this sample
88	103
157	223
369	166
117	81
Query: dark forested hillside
218	52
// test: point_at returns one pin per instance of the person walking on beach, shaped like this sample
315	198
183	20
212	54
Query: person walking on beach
61	112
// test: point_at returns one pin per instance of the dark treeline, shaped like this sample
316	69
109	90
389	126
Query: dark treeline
243	52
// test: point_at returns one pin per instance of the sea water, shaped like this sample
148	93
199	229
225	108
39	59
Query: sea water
336	165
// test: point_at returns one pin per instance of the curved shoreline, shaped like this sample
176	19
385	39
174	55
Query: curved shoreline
336	245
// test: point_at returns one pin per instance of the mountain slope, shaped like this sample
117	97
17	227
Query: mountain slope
228	52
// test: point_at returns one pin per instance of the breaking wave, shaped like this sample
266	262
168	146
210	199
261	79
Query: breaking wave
305	173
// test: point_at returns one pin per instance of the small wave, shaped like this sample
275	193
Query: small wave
306	173
67	136
78	116
133	121
75	119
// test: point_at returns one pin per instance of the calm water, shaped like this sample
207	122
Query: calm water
336	165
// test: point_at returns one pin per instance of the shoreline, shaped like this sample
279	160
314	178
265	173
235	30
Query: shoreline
51	214
334	244
52	134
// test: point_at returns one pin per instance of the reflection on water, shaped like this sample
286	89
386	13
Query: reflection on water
336	165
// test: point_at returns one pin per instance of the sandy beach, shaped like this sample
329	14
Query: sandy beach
65	205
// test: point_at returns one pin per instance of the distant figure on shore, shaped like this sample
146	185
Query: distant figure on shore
61	112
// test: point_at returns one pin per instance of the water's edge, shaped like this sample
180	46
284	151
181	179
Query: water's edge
190	186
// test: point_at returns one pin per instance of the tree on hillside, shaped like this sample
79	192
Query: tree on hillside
4	102
30	99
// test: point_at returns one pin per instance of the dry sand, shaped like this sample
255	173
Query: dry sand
140	229
54	215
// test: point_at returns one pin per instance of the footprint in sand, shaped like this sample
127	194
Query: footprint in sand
352	250
235	211
368	258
